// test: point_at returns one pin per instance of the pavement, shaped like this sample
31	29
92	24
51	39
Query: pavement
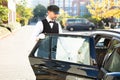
14	51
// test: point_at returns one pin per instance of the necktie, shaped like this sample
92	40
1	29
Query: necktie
51	22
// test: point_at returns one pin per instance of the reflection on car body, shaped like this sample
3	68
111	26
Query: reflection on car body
77	56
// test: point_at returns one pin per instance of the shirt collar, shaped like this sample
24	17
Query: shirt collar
48	19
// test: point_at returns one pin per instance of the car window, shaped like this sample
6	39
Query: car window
100	42
112	45
70	21
84	20
113	63
65	48
44	48
110	49
103	42
78	21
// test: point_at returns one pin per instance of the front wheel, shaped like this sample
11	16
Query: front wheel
90	28
71	29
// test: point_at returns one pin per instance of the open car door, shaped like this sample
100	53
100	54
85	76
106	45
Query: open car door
64	57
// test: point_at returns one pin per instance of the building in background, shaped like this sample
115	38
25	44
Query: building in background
33	3
79	7
66	5
72	7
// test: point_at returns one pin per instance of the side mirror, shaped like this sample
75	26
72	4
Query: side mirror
112	76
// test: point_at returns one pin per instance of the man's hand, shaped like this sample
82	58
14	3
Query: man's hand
41	36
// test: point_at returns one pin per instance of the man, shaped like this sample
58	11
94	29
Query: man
48	25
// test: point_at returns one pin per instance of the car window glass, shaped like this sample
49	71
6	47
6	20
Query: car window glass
84	21
43	49
113	43
113	63
78	21
74	50
111	49
65	48
103	42
100	42
71	21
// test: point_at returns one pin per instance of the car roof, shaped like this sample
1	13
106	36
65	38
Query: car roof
82	33
117	30
112	33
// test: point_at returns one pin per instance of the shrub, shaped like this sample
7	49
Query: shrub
3	31
14	25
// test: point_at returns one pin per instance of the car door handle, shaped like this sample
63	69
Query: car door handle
40	66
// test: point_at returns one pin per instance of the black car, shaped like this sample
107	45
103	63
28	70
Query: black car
79	24
77	56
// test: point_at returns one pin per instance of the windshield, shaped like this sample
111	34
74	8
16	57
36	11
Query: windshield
73	49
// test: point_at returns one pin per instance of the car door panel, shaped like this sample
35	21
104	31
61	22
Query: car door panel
63	68
58	67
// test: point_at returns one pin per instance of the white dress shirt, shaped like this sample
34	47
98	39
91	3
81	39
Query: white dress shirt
37	34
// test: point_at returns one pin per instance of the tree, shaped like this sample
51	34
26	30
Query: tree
39	11
104	9
3	11
63	17
22	2
23	14
1	1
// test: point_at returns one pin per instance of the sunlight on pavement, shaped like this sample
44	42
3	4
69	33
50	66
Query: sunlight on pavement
14	51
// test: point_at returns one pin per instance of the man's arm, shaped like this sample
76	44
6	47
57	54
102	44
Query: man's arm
60	28
37	30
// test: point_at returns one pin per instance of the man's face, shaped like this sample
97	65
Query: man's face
52	15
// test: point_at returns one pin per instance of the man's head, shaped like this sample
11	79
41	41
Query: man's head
53	11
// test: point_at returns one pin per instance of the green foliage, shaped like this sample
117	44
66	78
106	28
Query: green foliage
100	9
1	1
23	14
63	17
14	25
22	2
3	13
3	31
39	11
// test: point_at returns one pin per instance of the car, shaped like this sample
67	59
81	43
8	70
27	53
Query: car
79	24
92	55
117	26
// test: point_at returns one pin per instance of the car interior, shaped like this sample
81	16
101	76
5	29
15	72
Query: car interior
111	64
102	45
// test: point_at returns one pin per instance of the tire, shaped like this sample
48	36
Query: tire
71	29
90	28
